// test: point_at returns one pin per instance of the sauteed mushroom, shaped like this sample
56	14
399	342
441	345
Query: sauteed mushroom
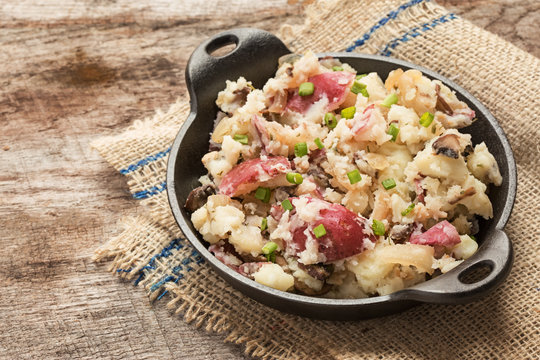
447	145
197	197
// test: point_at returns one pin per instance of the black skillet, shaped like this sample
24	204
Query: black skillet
255	57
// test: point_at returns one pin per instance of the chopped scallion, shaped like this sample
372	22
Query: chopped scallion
389	184
348	113
364	92
378	228
269	248
319	143
426	119
271	257
394	131
287	204
300	149
242	139
357	87
262	194
319	231
354	176
408	210
330	120
306	89
294	178
358	77
337	68
390	100
264	224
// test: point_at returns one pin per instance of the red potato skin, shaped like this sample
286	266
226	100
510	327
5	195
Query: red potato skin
252	172
420	191
362	123
335	85
442	234
344	233
262	133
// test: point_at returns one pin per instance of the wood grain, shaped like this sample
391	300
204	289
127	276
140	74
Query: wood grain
73	71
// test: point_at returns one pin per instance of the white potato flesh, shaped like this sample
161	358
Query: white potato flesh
272	275
247	240
483	166
466	248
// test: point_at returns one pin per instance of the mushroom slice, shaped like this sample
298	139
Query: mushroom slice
198	196
447	145
442	105
401	233
318	271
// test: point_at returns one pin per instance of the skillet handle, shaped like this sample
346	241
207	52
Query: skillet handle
255	50
495	256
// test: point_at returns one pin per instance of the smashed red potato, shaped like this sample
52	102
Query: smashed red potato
331	183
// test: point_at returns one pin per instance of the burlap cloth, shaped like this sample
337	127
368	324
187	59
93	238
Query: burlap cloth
152	251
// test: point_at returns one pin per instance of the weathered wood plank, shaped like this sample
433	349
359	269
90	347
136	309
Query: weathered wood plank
76	70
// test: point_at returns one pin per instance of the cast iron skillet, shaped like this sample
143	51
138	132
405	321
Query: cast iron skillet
255	57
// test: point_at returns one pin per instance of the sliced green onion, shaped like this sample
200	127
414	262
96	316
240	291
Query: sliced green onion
426	119
364	93
394	131
378	228
337	68
300	149
472	237
294	178
319	231
389	184
354	176
263	194
319	143
390	100
269	248
357	87
348	113
287	204
358	77
306	89
264	224
330	120
271	257
433	129
242	139
408	210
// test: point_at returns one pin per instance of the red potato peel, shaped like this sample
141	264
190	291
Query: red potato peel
442	234
334	85
250	174
344	232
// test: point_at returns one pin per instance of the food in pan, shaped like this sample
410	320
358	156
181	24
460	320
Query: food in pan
327	182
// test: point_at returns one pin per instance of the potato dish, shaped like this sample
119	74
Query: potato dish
331	183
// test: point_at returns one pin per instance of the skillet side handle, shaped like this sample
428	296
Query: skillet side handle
255	50
456	287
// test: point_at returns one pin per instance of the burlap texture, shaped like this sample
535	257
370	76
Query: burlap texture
505	325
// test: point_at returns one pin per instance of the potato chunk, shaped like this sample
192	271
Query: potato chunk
272	275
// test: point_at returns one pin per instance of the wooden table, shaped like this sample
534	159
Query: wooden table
73	71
